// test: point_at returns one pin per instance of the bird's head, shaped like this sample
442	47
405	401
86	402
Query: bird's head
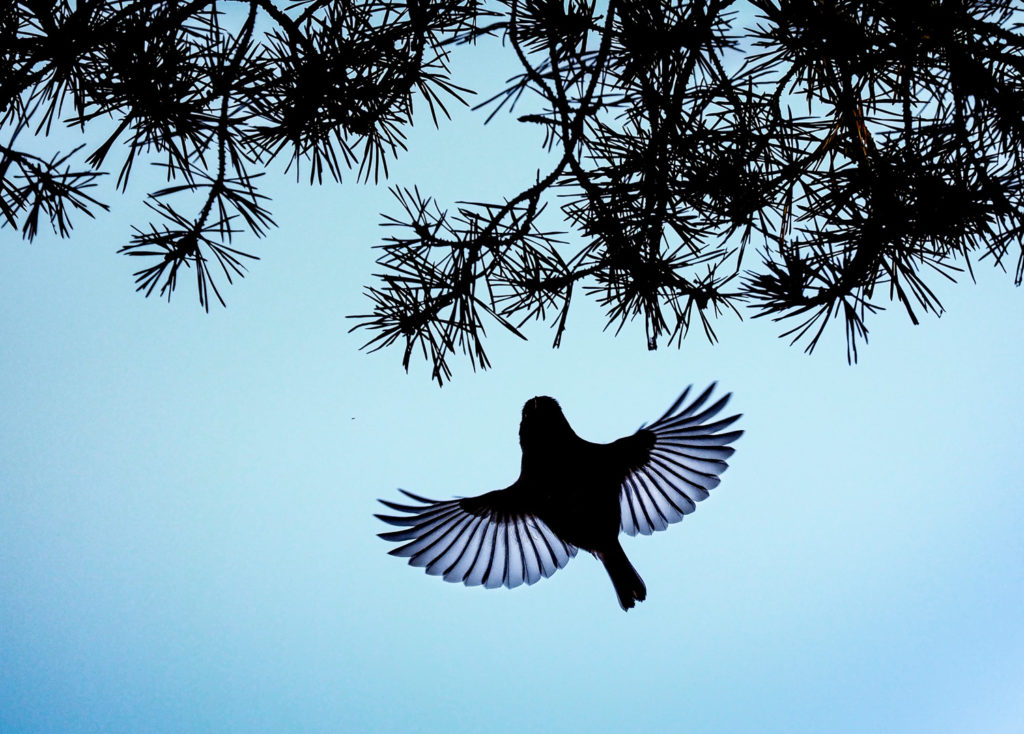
543	423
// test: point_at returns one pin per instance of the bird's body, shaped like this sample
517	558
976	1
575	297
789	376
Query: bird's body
571	493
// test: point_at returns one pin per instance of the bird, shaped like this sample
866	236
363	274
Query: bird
571	494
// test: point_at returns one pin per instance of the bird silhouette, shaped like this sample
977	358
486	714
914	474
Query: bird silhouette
571	494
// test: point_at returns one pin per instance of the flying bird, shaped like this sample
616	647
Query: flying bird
571	494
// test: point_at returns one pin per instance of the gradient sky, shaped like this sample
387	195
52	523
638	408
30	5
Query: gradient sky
186	532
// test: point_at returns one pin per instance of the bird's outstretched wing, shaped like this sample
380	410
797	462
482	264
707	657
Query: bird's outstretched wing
676	460
476	540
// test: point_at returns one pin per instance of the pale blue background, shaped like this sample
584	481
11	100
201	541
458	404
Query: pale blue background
187	541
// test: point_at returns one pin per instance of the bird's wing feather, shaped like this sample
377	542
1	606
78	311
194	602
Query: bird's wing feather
482	540
674	462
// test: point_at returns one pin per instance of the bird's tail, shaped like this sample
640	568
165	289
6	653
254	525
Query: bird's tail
628	584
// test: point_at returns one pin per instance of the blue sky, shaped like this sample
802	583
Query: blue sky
187	540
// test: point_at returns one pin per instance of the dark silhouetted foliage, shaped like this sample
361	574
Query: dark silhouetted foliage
808	160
